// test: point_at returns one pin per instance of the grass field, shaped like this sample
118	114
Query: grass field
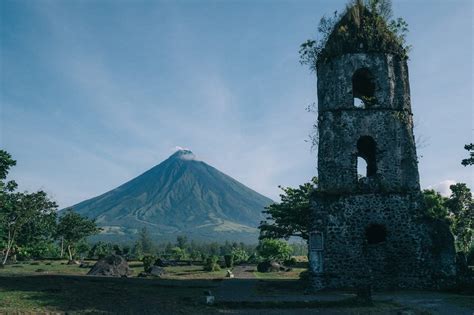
293	274
56	267
54	286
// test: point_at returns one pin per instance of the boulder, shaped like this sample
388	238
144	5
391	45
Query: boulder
111	266
161	263
271	266
84	265
153	271
156	271
73	262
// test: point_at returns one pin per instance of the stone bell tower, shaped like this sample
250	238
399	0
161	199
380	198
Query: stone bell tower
370	228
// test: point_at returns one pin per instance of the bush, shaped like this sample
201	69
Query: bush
254	259
290	262
470	256
212	264
148	261
273	249
229	261
239	255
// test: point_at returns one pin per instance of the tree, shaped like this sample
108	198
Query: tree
240	255
461	208
6	162
181	241
74	228
470	160
146	243
435	204
20	209
25	216
272	249
178	253
291	216
100	250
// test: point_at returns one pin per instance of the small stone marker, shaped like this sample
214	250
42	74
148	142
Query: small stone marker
209	297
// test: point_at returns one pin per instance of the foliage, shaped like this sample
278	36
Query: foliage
146	243
137	250
229	260
39	250
212	264
290	261
461	208
82	249
26	219
178	253
100	250
240	255
74	228
470	160
470	255
6	162
148	261
435	204
273	249
458	210
181	241
291	216
21	209
366	22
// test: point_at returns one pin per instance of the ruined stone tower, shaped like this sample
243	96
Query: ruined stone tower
370	229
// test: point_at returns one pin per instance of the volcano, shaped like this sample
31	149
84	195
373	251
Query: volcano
180	196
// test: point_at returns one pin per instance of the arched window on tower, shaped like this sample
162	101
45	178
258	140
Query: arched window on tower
366	152
363	88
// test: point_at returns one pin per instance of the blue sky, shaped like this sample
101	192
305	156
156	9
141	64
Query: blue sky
93	93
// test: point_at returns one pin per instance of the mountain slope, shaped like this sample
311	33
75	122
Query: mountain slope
179	196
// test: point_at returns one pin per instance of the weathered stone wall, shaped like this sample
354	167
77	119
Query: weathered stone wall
390	74
405	259
396	159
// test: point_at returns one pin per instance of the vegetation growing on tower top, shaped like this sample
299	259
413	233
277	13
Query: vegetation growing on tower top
364	26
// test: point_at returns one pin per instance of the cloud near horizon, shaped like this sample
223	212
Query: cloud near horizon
443	187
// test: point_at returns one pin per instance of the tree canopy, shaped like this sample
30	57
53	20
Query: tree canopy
74	228
273	249
470	160
23	216
458	210
291	216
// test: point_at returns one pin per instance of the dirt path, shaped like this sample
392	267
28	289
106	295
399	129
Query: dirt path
244	272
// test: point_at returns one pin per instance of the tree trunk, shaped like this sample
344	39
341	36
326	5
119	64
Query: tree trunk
62	247
69	251
9	247
6	254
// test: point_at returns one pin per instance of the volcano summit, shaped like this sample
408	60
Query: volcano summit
180	196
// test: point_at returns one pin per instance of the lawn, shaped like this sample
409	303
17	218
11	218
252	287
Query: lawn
60	267
54	286
293	274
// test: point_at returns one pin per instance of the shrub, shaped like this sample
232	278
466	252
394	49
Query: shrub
240	255
273	249
290	262
148	261
229	261
212	264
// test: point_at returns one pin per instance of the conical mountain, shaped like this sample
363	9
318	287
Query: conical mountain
180	196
